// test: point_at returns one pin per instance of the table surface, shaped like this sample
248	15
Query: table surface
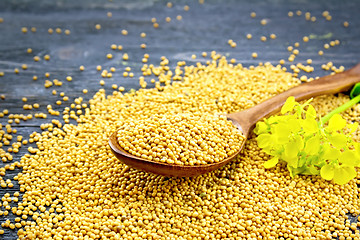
203	28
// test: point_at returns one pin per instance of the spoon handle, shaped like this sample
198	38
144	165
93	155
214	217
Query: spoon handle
325	85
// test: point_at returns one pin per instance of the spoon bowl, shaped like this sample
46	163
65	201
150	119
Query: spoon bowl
244	121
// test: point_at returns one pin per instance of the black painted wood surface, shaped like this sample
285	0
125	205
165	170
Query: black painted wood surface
203	28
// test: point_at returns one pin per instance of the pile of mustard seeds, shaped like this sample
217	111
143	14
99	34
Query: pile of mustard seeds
83	192
180	139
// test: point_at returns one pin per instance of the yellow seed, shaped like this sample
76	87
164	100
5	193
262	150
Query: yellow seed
69	78
155	25
47	57
24	30
254	55
290	14
248	36
124	32
263	22
29	50
263	38
67	32
297	44
253	14
321	53
179	17
125	57
58	30
109	14
24	66
326	46
346	24
143	45
186	8
109	56
102	82
305	38
36	58
153	20
97	26
50	31
272	36
143	35
168	19
81	68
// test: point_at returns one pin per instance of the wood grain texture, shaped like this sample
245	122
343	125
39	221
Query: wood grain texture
204	27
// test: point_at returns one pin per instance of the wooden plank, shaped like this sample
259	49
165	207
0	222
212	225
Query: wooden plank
205	27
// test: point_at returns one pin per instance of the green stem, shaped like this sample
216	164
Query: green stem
340	109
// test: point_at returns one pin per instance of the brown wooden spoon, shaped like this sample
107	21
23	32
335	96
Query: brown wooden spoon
245	121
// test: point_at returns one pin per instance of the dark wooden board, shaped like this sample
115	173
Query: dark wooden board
205	27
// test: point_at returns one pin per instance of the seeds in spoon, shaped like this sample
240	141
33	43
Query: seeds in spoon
182	139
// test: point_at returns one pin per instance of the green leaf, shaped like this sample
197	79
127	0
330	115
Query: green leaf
355	91
327	172
310	112
288	105
310	125
271	163
349	158
344	174
338	140
336	123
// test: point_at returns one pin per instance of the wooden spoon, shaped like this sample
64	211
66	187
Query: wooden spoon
245	121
